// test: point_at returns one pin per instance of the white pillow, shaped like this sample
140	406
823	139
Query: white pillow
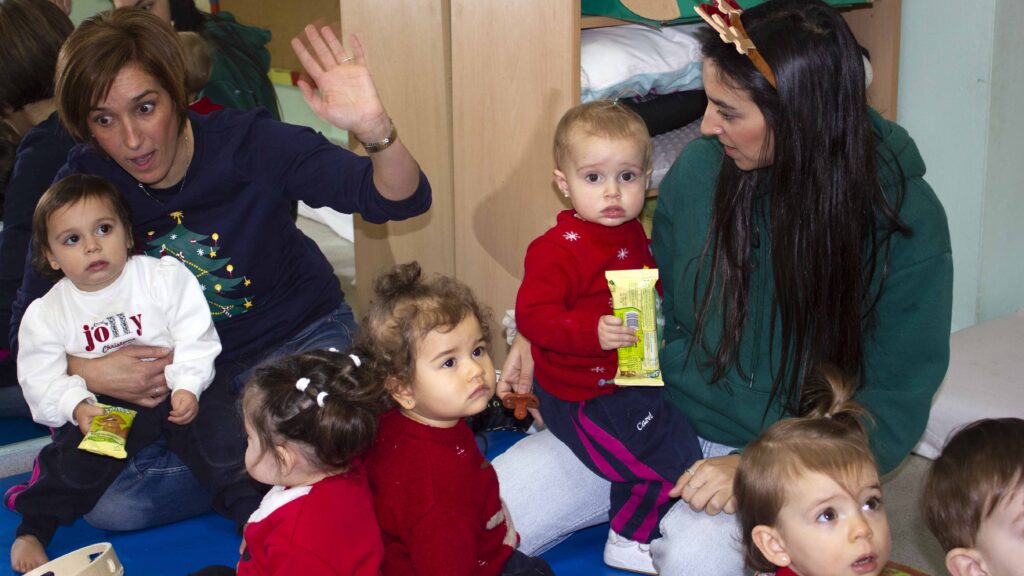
985	380
633	60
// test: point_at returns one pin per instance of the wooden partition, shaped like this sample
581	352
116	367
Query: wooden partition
877	28
515	71
285	20
408	45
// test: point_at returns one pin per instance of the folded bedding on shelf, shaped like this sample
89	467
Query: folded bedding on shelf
634	60
668	146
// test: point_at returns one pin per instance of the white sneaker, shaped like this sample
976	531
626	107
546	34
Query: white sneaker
625	554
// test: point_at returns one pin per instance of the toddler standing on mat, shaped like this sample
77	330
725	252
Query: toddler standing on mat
631	436
81	232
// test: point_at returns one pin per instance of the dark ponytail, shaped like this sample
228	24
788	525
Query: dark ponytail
333	417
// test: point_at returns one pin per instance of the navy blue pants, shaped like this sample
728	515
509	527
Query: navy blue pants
71	481
635	438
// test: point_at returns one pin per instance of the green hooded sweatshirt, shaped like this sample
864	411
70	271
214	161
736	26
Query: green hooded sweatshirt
241	63
906	349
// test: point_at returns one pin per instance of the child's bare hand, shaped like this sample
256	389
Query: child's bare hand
83	415
612	334
184	407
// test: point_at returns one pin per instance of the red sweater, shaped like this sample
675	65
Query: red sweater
331	530
437	501
563	295
204	106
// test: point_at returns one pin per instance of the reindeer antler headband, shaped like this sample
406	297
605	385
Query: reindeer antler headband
724	17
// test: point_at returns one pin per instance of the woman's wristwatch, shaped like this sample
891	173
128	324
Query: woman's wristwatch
380	145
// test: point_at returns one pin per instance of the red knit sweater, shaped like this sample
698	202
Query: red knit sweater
563	295
437	501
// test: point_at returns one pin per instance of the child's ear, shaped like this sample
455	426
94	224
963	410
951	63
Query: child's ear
400	392
561	182
965	562
285	459
771	545
51	259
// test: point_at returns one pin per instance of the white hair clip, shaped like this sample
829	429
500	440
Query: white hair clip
332	349
301	384
356	360
320	399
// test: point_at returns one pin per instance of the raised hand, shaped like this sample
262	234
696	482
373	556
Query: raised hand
342	92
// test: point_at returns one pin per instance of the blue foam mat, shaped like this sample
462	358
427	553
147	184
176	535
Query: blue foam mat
17	429
179	548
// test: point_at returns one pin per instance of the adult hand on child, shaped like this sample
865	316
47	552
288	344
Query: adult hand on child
517	373
612	334
184	407
134	374
83	415
707	485
342	91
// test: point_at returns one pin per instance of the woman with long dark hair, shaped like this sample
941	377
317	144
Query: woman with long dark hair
241	60
798	231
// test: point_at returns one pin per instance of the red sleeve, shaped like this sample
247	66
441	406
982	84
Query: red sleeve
545	305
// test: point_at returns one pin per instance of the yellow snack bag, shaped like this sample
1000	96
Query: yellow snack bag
108	432
635	300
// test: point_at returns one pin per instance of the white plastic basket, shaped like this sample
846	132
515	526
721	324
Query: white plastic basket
95	560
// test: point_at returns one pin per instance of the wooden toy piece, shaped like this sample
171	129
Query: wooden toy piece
520	403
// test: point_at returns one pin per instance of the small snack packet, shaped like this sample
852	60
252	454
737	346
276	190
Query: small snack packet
108	432
635	300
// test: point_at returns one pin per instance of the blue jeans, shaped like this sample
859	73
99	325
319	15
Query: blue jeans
157	488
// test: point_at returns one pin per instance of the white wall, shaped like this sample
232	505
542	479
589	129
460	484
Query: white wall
960	74
1001	289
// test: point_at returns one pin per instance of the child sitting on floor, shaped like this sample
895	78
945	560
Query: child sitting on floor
425	343
308	421
807	491
81	231
973	499
632	436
